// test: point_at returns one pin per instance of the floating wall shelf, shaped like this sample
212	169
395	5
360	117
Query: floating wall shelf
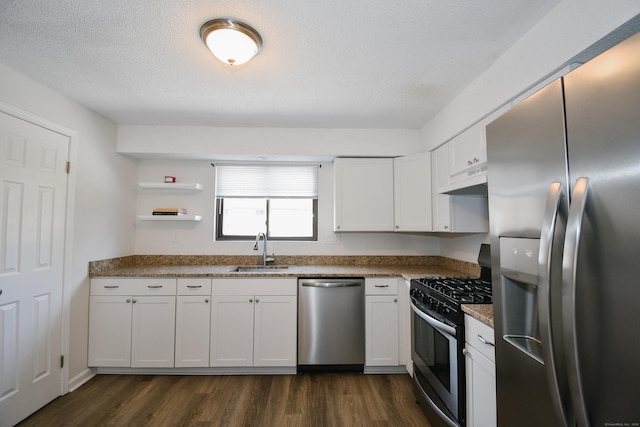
196	218
178	186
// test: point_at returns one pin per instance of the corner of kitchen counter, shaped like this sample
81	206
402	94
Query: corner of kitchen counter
481	312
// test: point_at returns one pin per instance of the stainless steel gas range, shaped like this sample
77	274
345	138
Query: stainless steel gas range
437	340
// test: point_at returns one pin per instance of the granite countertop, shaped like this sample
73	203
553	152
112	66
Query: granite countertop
408	272
306	266
482	312
408	267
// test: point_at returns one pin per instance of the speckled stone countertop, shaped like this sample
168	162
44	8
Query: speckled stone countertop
482	312
296	266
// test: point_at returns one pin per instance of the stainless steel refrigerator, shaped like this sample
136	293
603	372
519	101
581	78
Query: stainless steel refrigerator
564	210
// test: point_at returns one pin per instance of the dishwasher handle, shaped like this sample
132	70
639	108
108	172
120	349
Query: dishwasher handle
320	284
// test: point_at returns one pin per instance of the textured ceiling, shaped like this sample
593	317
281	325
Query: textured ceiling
330	63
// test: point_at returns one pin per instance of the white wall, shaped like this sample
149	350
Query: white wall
542	53
159	237
273	143
103	222
567	30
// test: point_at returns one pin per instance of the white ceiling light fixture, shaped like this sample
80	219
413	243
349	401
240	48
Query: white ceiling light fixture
232	42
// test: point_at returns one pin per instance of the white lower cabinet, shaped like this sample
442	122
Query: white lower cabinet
110	330
131	322
253	322
382	331
152	331
193	317
232	330
481	374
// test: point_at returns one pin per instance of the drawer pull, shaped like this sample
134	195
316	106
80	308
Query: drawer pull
194	286
111	286
154	286
381	286
482	340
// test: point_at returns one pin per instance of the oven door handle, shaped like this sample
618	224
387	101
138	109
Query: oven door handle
442	327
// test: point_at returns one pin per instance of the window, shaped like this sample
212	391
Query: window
278	200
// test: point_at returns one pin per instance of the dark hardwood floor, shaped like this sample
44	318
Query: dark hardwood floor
252	400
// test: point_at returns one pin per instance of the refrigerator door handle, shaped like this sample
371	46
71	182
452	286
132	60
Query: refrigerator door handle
548	230
569	271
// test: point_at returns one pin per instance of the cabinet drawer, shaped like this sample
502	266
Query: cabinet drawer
476	332
133	286
381	286
194	286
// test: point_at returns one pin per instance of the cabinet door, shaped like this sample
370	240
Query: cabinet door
404	356
363	193
275	341
481	389
381	329
193	319
440	176
231	330
467	150
412	192
153	331
110	330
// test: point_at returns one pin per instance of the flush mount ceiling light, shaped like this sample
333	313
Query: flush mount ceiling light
232	42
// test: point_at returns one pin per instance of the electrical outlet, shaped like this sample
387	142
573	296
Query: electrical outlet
332	238
176	237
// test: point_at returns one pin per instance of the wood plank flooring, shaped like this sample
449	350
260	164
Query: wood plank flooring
322	400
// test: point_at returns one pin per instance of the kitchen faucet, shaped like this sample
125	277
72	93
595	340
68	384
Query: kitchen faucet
265	258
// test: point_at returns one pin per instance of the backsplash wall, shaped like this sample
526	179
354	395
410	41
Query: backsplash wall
197	238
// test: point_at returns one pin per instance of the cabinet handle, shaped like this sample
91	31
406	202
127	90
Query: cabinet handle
154	286
476	160
135	301
128	299
194	286
482	340
337	227
381	286
257	300
111	286
395	300
469	162
446	227
250	299
206	300
397	227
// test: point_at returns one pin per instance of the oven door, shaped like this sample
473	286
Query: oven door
434	354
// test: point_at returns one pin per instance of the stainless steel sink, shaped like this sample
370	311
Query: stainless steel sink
260	268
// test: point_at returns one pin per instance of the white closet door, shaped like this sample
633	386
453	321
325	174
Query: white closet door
33	183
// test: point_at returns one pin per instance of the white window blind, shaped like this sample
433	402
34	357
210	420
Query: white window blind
267	181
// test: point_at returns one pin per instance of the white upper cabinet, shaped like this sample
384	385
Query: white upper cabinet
467	162
468	150
363	192
412	192
455	213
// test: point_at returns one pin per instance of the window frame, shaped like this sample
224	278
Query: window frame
219	207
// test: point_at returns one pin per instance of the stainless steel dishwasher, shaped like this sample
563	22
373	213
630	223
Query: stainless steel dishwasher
331	324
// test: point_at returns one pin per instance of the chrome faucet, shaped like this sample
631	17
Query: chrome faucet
265	259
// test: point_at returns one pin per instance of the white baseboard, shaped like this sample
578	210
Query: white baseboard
81	378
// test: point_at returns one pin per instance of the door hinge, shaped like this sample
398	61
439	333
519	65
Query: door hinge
68	167
62	360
